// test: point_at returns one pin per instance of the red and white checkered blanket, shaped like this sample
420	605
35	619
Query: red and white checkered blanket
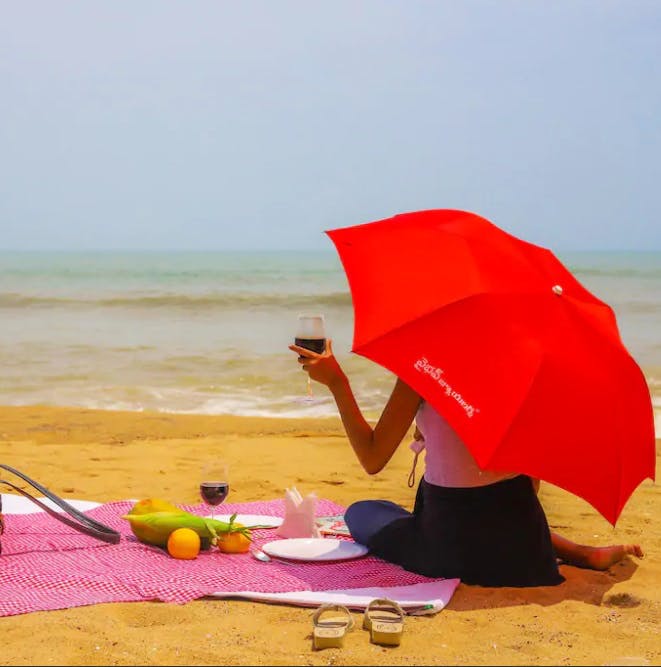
47	565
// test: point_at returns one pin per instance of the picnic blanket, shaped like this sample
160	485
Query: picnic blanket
46	565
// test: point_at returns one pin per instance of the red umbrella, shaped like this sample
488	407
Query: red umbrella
525	363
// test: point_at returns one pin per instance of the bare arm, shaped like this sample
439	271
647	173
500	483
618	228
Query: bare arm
373	446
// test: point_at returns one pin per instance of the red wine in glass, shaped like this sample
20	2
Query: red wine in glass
214	493
214	486
317	345
311	334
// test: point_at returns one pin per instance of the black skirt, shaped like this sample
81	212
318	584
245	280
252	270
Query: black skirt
494	535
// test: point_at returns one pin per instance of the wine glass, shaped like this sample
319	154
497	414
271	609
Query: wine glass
311	334
214	486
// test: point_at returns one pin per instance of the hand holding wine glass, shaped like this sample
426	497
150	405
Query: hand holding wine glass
214	486
311	334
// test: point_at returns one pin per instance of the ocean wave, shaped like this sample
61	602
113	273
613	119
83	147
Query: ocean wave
179	301
245	404
646	272
638	307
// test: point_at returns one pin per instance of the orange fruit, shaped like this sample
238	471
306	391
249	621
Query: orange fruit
234	542
184	543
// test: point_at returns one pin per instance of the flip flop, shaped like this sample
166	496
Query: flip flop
384	619
329	631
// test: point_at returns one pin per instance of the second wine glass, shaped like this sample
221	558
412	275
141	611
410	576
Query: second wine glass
215	486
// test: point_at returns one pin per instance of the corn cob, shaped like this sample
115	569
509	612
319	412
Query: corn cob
155	527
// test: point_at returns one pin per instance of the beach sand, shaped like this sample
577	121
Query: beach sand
594	618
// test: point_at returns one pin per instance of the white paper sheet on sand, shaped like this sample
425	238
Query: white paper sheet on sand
425	598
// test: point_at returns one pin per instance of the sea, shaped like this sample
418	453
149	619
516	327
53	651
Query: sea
208	332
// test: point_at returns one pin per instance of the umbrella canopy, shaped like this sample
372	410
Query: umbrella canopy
523	361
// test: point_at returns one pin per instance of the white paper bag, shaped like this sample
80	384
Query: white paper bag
299	518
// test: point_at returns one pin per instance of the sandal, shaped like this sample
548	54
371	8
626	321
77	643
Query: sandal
329	631
384	619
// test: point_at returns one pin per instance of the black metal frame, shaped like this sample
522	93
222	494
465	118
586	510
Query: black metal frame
79	521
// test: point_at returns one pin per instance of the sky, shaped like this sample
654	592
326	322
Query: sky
194	124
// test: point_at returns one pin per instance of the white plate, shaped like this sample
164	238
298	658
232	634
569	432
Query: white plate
250	519
311	548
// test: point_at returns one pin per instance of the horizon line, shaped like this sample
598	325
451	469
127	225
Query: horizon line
269	250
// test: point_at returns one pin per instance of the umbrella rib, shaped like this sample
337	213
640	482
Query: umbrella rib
618	484
412	320
467	297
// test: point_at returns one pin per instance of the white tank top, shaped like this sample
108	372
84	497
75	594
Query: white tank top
447	459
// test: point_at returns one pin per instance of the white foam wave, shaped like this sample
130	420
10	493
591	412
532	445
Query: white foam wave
237	401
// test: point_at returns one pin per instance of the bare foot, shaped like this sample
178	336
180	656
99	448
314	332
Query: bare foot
601	558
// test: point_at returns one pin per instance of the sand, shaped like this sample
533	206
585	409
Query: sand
594	618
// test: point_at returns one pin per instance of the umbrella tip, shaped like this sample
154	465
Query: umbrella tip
557	289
